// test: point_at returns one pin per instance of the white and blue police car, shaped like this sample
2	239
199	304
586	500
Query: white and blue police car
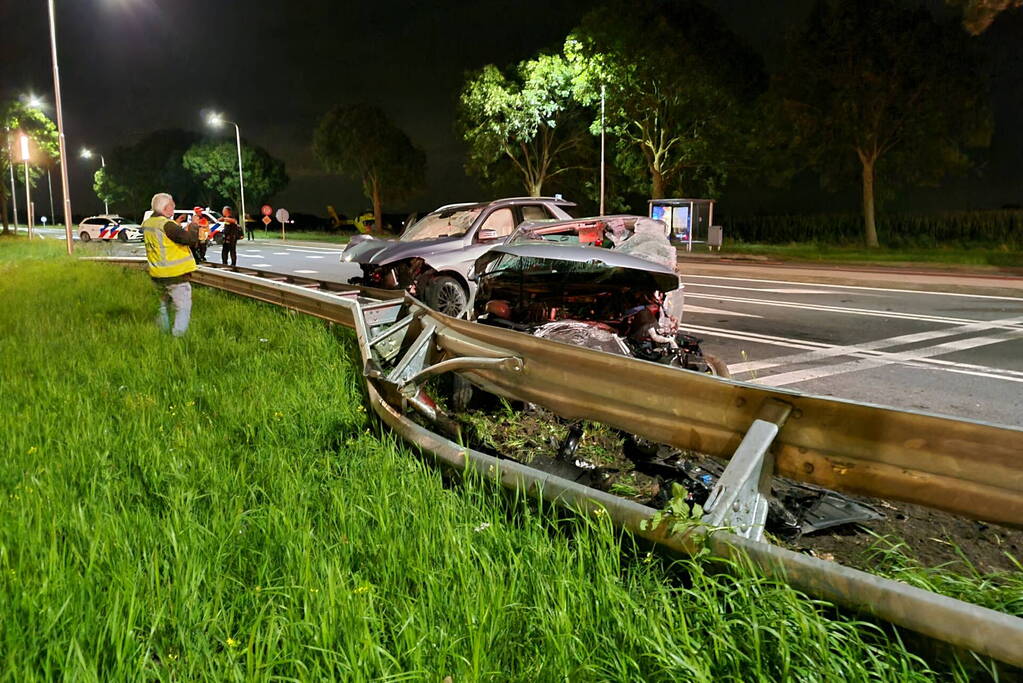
109	227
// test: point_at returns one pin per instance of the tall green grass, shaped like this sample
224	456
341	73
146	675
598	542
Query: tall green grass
218	507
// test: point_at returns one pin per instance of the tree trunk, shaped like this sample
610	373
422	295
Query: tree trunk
378	216
3	212
534	188
870	228
656	184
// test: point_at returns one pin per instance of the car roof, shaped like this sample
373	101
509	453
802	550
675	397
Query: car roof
507	201
666	278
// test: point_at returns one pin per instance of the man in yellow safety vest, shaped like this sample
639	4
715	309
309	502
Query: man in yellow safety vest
171	262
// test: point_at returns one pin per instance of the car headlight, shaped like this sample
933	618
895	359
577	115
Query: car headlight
346	258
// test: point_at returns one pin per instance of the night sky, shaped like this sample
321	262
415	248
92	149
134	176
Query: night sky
132	66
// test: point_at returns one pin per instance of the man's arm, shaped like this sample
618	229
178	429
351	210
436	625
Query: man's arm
176	233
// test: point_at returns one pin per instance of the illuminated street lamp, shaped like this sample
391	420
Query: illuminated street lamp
37	103
28	197
88	154
216	120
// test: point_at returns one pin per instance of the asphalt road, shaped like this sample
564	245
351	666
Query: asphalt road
942	352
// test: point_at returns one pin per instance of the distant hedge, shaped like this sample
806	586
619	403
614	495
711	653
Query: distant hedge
1003	228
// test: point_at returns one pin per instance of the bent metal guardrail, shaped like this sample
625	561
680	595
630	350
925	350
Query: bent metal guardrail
967	467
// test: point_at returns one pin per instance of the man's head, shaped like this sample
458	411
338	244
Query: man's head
227	212
163	204
197	211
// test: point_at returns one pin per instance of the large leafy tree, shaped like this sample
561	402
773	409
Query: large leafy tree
360	142
881	92
526	124
979	14
679	90
215	165
17	118
134	173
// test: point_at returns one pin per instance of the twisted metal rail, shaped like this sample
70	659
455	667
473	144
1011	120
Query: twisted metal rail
965	467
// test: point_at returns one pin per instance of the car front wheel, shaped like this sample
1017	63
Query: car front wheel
122	236
446	295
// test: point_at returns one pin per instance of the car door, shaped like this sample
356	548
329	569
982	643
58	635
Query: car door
492	229
92	226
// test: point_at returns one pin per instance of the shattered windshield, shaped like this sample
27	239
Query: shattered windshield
449	223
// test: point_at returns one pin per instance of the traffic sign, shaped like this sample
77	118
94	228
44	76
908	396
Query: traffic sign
266	210
266	220
283	215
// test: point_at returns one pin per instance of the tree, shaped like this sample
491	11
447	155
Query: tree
18	118
883	92
360	142
679	89
134	173
529	123
978	14
215	165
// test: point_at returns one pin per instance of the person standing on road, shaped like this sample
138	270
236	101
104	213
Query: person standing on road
250	227
232	233
170	262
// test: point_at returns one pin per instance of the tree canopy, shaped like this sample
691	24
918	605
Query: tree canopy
134	173
679	88
879	91
527	124
359	141
215	165
17	118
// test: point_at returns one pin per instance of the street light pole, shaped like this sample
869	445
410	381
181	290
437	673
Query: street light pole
28	196
60	130
14	196
216	120
103	165
49	183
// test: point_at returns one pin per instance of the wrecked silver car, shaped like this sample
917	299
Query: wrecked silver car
432	258
602	299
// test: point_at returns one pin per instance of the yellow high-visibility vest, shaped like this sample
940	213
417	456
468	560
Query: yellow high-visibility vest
166	257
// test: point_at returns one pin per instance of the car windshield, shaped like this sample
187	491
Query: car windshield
446	223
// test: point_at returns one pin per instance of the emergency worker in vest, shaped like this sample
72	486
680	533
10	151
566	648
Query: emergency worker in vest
171	262
232	233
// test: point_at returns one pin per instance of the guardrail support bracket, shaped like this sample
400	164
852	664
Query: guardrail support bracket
740	498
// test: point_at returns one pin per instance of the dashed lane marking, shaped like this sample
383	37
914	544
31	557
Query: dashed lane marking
310	256
306	272
689	308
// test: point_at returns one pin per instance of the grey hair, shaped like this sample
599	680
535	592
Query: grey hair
160	200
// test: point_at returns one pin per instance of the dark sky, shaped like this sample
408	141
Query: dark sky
132	66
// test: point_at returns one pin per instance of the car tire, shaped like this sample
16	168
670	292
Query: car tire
446	295
122	236
84	236
461	393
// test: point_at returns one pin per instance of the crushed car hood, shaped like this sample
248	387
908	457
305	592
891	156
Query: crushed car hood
378	252
629	269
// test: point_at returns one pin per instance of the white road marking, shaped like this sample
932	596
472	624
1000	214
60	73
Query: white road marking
689	308
311	256
315	250
830	351
869	363
772	290
841	309
261	265
280	253
306	272
857	287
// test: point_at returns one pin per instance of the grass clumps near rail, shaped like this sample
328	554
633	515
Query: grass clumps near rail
218	508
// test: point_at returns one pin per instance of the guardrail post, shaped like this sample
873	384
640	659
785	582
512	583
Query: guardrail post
740	498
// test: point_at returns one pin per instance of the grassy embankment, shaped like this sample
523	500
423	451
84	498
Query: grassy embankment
218	508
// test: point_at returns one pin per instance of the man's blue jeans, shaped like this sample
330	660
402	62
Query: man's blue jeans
179	295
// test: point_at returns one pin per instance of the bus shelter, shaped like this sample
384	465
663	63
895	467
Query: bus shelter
689	220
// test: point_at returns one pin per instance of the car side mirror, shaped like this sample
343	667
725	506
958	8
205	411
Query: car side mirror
487	234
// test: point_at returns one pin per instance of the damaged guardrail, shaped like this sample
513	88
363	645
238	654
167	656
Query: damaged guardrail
966	467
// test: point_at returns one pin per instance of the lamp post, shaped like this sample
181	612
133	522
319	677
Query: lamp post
28	196
216	120
601	150
60	130
10	166
88	154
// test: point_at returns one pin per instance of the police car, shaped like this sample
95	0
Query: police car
213	218
109	227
